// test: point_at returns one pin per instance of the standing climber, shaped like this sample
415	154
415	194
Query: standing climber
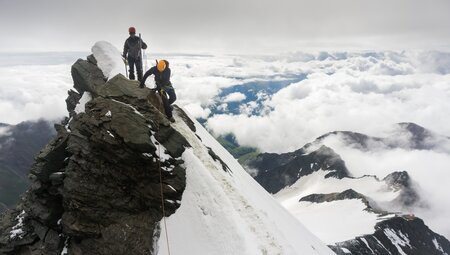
132	53
163	85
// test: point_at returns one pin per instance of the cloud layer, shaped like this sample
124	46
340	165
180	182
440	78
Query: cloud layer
33	92
357	92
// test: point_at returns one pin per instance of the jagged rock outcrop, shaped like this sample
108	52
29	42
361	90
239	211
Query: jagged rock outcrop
276	171
401	181
72	101
96	186
320	198
346	194
87	76
398	235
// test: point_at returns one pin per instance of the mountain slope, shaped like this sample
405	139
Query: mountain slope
96	186
348	212
19	144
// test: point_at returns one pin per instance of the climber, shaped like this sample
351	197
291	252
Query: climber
163	85
132	53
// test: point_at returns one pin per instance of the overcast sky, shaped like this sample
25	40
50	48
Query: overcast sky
240	26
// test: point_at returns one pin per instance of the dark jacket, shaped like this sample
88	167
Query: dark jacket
131	47
162	79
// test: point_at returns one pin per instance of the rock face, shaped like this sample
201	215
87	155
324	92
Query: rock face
347	194
401	181
276	171
95	188
396	236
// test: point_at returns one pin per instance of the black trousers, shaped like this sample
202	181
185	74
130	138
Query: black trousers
168	98
135	62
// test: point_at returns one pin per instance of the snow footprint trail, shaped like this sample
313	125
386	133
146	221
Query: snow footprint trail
267	243
227	212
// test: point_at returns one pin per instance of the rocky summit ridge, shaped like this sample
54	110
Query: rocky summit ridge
95	188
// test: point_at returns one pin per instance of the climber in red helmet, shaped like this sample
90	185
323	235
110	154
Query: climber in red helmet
132	53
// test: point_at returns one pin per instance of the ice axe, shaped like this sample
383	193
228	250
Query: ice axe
126	65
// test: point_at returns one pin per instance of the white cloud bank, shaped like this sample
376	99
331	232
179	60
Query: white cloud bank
33	92
357	92
234	97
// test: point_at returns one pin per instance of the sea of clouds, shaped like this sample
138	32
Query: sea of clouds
34	85
357	92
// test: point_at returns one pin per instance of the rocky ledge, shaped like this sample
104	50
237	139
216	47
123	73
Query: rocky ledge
96	186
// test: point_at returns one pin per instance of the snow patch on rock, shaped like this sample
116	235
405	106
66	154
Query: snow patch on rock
397	239
82	103
17	230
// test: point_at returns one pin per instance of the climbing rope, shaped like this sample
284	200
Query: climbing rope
162	194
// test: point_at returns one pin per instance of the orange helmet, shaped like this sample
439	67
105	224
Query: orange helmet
132	30
161	66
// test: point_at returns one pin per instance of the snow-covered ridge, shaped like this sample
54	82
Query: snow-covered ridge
227	212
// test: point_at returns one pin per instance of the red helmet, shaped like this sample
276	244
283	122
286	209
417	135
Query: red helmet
132	30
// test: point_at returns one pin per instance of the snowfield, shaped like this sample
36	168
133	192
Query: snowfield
227	212
336	221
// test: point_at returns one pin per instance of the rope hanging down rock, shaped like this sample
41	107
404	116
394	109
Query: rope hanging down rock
162	194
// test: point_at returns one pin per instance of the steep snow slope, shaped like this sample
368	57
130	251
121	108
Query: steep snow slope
224	211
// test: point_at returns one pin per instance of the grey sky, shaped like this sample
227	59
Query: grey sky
226	26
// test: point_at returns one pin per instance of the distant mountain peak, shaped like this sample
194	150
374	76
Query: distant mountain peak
277	171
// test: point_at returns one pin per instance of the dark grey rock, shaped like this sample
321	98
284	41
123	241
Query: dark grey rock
72	101
320	198
347	194
87	77
408	194
51	159
91	59
421	240
186	118
217	158
276	171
